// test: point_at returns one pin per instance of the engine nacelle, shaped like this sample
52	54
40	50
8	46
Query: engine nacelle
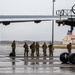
37	21
6	23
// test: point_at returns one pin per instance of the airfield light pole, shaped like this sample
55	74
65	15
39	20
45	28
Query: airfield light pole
53	22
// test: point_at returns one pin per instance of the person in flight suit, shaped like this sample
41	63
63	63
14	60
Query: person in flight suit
25	49
37	48
44	47
32	47
69	47
13	45
51	48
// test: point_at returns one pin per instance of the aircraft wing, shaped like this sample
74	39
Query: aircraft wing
7	19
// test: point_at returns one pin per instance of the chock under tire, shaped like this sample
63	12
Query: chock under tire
72	58
64	57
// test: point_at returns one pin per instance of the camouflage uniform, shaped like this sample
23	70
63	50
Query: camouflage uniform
51	48
32	47
13	45
44	47
26	49
69	47
37	48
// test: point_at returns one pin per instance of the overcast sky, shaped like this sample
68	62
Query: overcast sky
32	31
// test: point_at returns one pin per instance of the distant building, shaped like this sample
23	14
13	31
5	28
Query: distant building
69	39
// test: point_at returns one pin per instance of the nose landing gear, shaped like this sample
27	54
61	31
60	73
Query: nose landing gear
70	31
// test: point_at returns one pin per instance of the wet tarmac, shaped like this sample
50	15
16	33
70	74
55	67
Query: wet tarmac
21	65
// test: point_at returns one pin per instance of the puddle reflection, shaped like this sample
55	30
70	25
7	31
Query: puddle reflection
51	60
26	61
36	66
44	58
69	69
38	61
13	64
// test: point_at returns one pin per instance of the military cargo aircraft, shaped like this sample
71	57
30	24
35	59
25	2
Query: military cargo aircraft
67	14
64	13
7	19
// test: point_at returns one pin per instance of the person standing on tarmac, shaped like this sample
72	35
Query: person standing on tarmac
69	47
25	49
32	47
44	47
51	48
37	49
13	45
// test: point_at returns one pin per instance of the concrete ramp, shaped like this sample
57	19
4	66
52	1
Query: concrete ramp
21	65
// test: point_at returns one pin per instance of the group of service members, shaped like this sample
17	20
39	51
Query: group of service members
34	48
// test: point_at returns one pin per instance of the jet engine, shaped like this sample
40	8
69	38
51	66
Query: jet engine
6	23
37	21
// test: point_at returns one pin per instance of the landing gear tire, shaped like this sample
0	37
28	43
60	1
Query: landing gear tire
72	58
64	57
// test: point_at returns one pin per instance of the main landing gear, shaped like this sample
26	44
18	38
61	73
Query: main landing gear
66	58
